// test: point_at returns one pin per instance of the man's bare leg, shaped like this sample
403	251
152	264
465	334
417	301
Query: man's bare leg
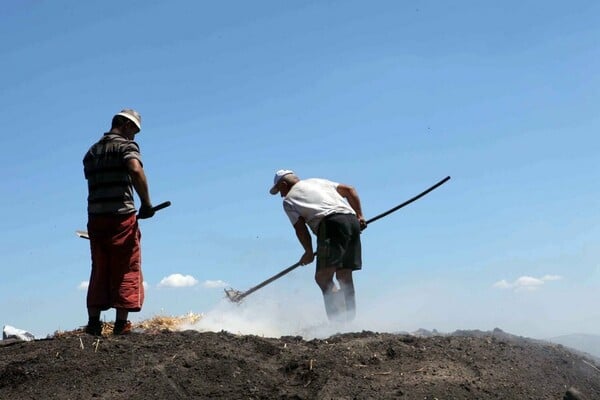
94	326
121	321
324	278
344	277
122	314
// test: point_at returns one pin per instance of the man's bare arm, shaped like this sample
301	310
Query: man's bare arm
349	193
140	183
305	239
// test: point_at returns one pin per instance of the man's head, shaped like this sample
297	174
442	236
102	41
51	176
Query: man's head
128	122
283	181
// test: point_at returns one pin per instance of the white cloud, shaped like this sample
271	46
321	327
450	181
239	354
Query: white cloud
502	284
178	280
214	284
552	278
526	283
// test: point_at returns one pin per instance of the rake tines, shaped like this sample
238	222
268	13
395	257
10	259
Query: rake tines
234	295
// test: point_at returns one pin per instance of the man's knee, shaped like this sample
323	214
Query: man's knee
324	279
344	276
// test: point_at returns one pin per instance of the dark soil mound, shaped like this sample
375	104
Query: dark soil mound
186	365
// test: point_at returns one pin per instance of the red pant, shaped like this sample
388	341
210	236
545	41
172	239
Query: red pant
116	280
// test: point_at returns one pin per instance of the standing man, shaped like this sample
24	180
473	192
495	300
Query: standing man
113	169
333	212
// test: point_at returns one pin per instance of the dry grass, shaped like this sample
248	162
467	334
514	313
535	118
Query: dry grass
154	324
161	323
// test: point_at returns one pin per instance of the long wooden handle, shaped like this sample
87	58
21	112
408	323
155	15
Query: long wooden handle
164	204
407	202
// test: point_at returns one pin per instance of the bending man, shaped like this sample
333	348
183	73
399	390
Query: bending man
333	212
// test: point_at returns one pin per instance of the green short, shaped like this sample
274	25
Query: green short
338	242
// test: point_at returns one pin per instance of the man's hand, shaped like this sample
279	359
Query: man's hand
146	211
307	258
362	222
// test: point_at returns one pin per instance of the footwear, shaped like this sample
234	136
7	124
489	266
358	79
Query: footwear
94	328
122	328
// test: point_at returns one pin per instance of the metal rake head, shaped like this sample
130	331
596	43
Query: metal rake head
234	295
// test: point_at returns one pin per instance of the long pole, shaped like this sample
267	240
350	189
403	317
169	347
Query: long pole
237	296
164	204
407	202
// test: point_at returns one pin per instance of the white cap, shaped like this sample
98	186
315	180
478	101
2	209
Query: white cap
278	175
133	116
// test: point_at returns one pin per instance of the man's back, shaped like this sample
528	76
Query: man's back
110	189
313	199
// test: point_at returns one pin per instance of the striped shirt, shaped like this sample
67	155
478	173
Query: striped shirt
110	189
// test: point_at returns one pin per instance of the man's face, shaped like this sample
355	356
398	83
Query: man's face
284	188
130	129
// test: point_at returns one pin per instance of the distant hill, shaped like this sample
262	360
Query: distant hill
583	342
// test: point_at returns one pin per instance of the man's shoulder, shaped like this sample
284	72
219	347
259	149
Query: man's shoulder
121	141
112	136
318	181
111	142
117	137
313	180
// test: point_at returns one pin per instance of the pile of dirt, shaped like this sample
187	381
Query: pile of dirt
366	365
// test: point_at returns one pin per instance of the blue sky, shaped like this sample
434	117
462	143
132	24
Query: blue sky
387	96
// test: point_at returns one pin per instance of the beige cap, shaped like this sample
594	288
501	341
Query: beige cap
278	175
133	116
